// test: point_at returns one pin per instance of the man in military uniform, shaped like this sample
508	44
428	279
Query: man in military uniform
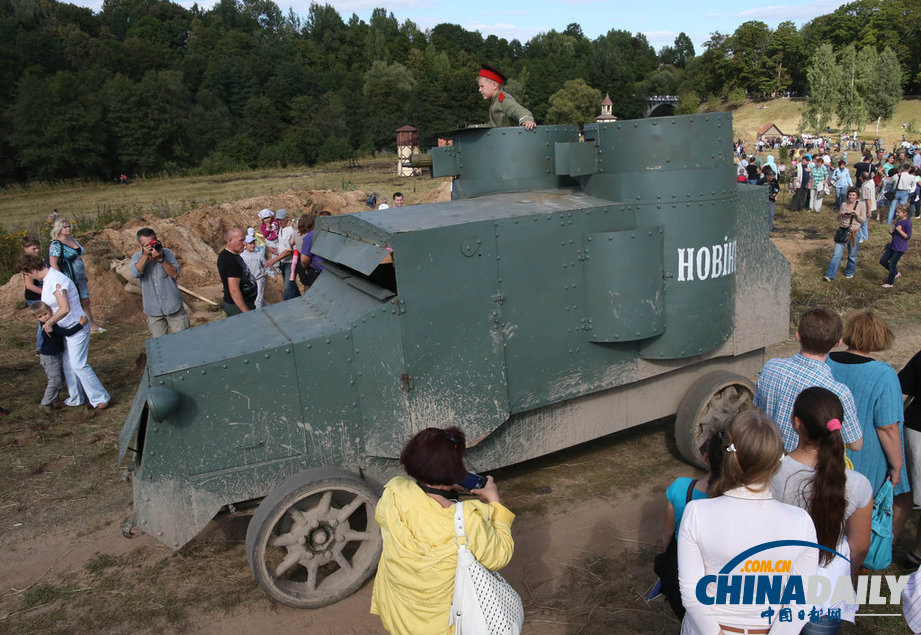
503	109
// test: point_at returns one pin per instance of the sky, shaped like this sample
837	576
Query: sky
660	20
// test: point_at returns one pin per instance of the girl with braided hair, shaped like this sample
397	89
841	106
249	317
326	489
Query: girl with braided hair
839	501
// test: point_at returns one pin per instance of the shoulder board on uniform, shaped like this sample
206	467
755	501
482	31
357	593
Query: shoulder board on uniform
501	97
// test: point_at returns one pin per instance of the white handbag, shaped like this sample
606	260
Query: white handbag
484	603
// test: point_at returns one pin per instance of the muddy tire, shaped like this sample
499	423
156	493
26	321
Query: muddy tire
313	540
711	402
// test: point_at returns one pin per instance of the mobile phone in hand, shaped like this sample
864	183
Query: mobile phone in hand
473	481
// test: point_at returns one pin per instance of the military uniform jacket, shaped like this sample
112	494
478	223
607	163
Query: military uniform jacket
505	111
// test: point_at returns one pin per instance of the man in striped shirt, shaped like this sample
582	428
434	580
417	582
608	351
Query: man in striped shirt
819	184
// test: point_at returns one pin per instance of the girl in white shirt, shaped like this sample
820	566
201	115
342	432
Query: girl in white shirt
742	515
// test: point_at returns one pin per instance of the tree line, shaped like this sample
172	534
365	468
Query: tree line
148	86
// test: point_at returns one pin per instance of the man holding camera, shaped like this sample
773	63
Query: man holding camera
157	269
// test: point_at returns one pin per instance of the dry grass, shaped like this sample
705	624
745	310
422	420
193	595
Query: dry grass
814	230
27	207
785	114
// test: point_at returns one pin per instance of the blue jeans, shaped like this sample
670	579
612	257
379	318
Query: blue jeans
291	290
836	260
890	262
864	233
840	196
771	216
901	198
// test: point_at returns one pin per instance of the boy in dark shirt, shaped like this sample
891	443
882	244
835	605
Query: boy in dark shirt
866	165
50	349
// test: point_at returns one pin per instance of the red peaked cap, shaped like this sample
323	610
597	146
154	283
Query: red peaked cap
489	72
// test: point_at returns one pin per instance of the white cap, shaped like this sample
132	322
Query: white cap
383	206
266	213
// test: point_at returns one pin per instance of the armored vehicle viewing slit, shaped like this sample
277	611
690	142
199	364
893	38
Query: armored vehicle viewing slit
574	286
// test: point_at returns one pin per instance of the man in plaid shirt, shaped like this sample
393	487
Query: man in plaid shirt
783	378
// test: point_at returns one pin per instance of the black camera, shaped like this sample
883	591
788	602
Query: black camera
156	245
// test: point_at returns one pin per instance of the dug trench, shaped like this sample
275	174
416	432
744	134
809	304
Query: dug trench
588	525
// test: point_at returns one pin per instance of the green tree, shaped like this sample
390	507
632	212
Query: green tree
786	59
749	46
620	61
716	65
153	129
883	85
387	92
575	103
550	59
851	108
684	50
688	103
825	88
58	129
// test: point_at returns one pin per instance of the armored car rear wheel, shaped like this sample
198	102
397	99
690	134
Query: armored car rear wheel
708	406
313	540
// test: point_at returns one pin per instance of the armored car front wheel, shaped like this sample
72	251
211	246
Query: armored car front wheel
313	540
708	406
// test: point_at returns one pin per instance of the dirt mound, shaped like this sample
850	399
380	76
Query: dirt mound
196	237
441	194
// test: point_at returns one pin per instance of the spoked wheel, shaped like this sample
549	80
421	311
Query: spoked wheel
708	406
313	540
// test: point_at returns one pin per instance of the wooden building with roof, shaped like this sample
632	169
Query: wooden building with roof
769	130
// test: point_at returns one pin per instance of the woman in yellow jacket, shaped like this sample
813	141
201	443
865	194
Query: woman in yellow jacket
415	578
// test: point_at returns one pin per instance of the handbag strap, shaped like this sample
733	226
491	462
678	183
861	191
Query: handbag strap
461	539
690	491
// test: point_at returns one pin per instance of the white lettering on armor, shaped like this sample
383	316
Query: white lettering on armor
685	265
717	261
702	263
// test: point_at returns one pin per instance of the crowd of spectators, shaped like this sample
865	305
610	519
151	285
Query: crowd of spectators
878	181
817	414
57	291
274	248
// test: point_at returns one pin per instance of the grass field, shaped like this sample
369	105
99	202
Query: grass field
97	203
785	114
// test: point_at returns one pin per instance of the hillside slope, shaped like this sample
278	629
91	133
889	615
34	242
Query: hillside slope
785	114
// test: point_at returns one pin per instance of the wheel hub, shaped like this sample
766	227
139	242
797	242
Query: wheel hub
320	538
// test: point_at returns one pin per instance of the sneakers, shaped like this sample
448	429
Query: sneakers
826	278
849	277
887	286
898	275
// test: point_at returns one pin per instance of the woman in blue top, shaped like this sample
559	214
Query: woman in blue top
676	494
878	395
679	494
66	255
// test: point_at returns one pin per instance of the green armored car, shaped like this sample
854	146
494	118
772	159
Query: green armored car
577	284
